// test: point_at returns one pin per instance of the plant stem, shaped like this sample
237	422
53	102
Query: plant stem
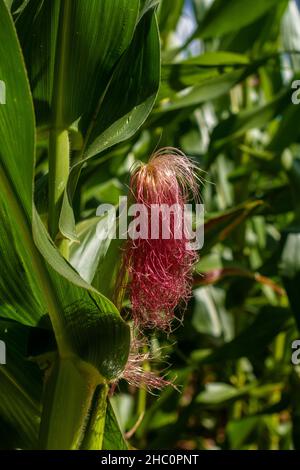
279	348
59	149
142	393
58	176
67	399
64	248
94	433
142	401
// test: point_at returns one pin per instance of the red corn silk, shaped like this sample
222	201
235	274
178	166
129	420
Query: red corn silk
160	269
136	374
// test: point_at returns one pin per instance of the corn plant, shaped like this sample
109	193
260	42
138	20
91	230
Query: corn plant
80	77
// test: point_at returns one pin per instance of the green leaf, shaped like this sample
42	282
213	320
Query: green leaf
68	388
8	3
96	33
146	5
239	430
218	58
216	275
237	124
21	299
168	16
221	393
219	227
16	116
97	257
253	339
231	15
132	91
92	339
16	175
206	315
124	106
113	437
94	433
202	78
295	389
177	77
86	256
209	89
92	323
290	269
21	386
288	131
197	72
58	288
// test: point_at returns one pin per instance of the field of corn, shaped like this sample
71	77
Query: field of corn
115	343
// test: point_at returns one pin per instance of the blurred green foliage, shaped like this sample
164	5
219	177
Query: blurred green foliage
225	100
